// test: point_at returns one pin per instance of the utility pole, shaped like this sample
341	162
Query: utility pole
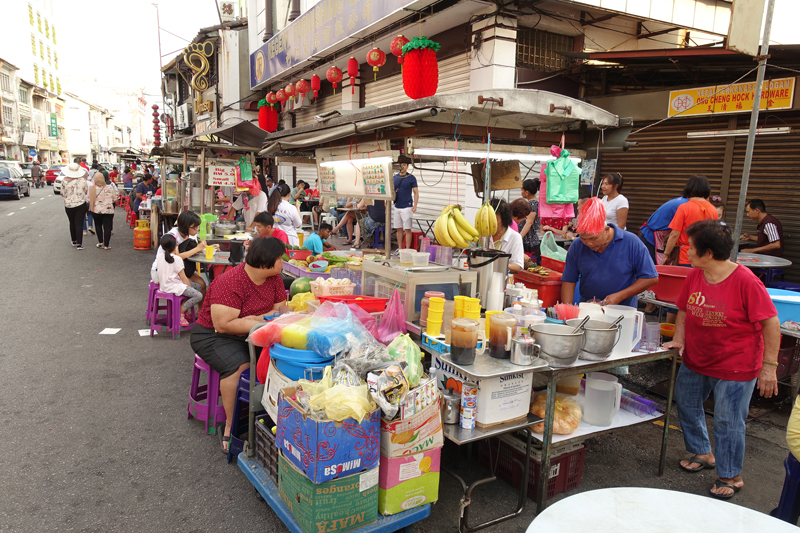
751	136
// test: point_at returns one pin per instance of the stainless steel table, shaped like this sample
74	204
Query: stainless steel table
761	261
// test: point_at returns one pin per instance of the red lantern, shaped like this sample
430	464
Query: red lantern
397	48
281	96
271	98
315	85
302	88
376	59
421	72
334	76
290	92
352	71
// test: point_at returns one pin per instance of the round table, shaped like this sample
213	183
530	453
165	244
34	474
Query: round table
761	261
636	509
220	259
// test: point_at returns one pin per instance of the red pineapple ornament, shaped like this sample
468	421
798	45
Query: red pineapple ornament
315	85
376	59
267	116
397	48
421	72
352	71
334	76
302	88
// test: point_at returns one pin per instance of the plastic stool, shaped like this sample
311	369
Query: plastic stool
329	219
788	509
415	239
134	218
151	302
380	231
784	285
210	412
310	216
171	319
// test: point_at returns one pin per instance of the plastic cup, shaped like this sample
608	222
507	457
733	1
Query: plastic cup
652	336
460	304
475	316
488	314
301	237
435	304
472	306
435	315
434	327
210	253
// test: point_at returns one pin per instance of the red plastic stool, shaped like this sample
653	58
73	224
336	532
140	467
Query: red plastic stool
415	239
133	219
209	412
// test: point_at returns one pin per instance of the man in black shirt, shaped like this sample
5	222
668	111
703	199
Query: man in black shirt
769	236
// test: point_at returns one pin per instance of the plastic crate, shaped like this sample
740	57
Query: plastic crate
553	264
385	290
566	466
323	290
266	451
788	357
367	303
438	345
298	272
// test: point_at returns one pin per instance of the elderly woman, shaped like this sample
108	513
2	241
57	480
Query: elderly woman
74	190
728	334
234	303
505	239
101	203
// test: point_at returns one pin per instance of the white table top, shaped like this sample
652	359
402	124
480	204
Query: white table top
761	261
638	510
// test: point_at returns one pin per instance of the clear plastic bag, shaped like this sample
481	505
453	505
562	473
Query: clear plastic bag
567	415
389	388
393	322
403	348
338	402
334	330
550	249
271	333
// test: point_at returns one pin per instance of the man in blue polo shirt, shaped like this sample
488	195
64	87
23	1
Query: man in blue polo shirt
613	265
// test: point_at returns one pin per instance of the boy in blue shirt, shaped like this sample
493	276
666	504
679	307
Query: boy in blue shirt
316	241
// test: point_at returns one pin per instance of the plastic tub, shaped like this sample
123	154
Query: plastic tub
787	303
549	289
407	256
300	255
421	259
670	282
667	330
294	363
553	264
321	290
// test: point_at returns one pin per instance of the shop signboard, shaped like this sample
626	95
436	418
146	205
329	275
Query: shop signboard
736	98
319	31
221	176
53	125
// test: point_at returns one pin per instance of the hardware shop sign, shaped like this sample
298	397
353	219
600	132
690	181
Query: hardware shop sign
736	98
316	32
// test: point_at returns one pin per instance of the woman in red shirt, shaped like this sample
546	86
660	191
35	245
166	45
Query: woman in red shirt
728	334
234	303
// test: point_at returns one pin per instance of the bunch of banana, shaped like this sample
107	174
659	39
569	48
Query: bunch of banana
452	229
486	221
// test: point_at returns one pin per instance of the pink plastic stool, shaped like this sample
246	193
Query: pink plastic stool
209	412
170	320
151	302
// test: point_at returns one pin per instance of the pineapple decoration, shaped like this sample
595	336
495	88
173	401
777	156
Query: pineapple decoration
302	88
397	48
376	59
316	85
291	92
352	71
421	72
267	115
334	76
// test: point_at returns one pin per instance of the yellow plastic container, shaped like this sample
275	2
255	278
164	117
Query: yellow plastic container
435	304
488	314
209	253
460	304
301	236
434	327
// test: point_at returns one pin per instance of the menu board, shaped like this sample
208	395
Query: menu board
374	177
219	176
362	175
327	180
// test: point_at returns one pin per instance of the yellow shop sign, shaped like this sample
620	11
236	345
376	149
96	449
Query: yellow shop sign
736	98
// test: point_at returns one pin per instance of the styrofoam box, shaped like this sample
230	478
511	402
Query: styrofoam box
500	399
275	382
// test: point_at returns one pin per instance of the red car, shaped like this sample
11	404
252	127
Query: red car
52	173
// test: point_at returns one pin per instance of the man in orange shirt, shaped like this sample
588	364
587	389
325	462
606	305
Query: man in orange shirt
697	189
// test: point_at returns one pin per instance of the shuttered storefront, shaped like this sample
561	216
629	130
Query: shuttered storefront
439	186
453	77
307	173
311	108
657	169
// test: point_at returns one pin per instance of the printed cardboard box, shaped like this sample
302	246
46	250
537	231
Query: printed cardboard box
275	382
413	435
336	506
408	482
323	449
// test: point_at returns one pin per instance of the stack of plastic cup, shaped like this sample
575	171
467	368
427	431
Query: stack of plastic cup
435	315
460	304
444	256
424	243
472	308
469	405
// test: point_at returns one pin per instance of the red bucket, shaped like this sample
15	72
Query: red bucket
670	282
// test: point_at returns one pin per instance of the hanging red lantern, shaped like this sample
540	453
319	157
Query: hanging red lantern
397	48
421	72
281	96
352	71
315	85
302	89
271	98
376	59
291	92
334	76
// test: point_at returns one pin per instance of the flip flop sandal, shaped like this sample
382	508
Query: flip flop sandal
223	439
703	465
718	484
99	245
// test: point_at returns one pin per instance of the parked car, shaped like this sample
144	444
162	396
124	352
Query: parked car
57	184
13	183
10	163
52	173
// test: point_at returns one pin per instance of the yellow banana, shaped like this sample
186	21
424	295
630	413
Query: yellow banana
441	234
484	221
492	219
463	224
479	222
447	209
452	231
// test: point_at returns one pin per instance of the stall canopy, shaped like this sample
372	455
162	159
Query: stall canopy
242	135
525	116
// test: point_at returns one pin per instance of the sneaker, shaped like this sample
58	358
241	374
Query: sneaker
396	252
91	230
74	244
79	247
84	233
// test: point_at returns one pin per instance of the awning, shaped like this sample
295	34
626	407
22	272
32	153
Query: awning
520	110
242	134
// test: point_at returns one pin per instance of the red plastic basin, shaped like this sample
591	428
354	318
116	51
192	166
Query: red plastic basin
553	264
670	282
300	255
369	304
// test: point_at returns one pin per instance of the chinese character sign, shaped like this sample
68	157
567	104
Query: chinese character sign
53	125
222	176
737	98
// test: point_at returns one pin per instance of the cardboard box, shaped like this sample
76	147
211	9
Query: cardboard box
408	482
500	399
413	435
323	449
337	506
275	382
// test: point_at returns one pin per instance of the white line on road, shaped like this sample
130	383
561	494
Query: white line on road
21	208
33	203
11	213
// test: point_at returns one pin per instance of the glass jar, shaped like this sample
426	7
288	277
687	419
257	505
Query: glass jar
423	306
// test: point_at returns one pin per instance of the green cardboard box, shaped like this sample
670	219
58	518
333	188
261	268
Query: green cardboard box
332	507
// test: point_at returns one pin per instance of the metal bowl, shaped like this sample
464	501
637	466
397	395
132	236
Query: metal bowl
600	339
559	346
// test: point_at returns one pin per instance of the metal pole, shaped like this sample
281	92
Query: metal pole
751	136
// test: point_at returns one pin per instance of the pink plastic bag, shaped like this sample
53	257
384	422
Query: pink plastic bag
393	322
365	318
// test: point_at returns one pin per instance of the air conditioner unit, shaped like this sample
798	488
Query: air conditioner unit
183	117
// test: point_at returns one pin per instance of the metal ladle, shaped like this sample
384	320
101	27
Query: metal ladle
580	326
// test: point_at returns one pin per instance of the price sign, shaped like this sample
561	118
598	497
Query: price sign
222	176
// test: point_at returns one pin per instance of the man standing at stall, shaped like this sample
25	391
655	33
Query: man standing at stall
613	265
769	235
405	186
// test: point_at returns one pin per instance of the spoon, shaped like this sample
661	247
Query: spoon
617	321
583	323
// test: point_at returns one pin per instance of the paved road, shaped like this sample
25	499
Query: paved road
95	435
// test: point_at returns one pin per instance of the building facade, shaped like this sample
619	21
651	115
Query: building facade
31	27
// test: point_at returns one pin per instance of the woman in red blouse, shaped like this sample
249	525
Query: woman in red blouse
234	303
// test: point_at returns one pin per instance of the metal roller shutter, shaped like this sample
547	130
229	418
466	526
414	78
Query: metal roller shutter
453	77
439	187
307	174
306	115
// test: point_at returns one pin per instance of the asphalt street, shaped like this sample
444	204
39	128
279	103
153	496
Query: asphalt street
96	436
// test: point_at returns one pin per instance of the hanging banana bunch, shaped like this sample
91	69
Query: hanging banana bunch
452	229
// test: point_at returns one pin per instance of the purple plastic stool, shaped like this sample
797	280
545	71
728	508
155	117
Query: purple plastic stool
170	320
151	302
210	412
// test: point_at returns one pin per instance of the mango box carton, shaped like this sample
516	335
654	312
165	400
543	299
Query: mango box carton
275	382
323	449
408	482
336	506
412	435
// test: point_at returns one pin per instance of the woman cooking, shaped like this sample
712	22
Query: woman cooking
234	303
728	334
506	239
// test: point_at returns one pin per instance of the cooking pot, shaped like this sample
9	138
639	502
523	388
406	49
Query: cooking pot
224	228
240	227
170	206
600	338
559	346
